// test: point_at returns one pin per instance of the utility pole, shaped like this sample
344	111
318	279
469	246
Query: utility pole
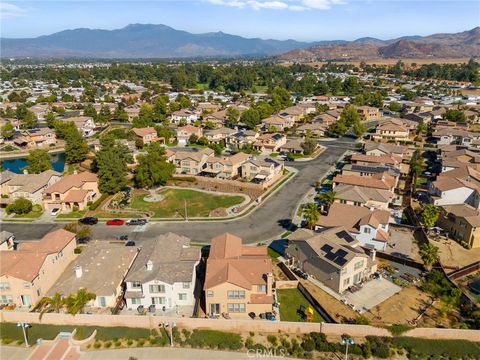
24	327
347	340
186	213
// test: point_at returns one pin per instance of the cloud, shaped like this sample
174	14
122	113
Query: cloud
295	5
11	10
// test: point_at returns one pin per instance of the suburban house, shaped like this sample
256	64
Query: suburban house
313	129
378	181
225	167
100	269
220	135
28	273
450	191
458	158
369	160
185	132
192	161
31	186
72	192
163	274
146	134
243	138
465	172
36	138
363	196
238	279
368	226
293	146
454	136
392	130
278	123
188	115
132	111
84	124
261	169
332	257
269	142
462	222
368	112
385	149
370	170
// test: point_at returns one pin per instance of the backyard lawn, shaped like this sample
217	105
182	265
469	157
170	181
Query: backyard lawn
199	204
293	304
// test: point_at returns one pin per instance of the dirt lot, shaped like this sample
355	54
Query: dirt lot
452	254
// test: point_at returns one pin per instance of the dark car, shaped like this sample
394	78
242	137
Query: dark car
115	222
88	220
122	237
136	222
83	239
130	243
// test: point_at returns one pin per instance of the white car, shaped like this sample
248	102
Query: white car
55	212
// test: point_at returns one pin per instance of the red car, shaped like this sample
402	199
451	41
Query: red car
115	222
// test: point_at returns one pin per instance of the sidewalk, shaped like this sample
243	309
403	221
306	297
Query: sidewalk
162	353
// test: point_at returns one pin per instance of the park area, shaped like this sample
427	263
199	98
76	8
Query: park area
293	306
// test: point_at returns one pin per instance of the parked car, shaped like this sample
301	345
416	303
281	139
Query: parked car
136	222
89	220
130	243
115	222
55	212
122	237
83	239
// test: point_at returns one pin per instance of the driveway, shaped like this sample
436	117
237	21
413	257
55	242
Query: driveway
267	222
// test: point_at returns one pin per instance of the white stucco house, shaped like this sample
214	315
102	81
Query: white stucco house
451	191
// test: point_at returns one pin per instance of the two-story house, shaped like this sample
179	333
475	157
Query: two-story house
261	169
146	134
269	142
451	191
31	186
41	137
225	167
185	132
461	222
192	161
392	130
277	122
187	115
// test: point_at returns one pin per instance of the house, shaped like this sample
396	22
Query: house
363	196
279	123
84	124
40	137
5	177
332	257
368	113
369	160
72	193
261	169
132	112
297	112
293	146
269	142
40	110
452	191
192	161
369	227
220	135
6	240
31	186
100	269
185	132
467	173
313	129
462	222
445	135
385	149
27	274
326	119
394	130
187	115
146	134
459	158
163	274
225	167
381	181
243	138
238	279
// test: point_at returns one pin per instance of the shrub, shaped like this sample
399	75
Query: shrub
108	344
362	320
398	329
452	349
249	343
308	345
77	250
141	342
272	339
19	342
97	345
7	341
380	346
97	203
20	206
215	339
129	342
117	343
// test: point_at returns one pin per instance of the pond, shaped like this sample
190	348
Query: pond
16	165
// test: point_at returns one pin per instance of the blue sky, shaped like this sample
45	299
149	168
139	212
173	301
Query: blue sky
279	19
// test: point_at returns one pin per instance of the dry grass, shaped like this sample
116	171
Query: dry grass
452	254
407	62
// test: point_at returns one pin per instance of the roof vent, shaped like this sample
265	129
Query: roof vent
149	265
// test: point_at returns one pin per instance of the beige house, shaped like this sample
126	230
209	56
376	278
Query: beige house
185	132
238	279
147	134
462	222
225	167
72	192
368	112
332	257
31	186
27	274
392	130
261	169
37	138
192	161
270	142
363	196
278	122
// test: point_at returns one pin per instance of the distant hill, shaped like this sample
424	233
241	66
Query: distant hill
458	45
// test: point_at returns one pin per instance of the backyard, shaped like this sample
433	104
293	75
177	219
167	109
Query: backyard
293	305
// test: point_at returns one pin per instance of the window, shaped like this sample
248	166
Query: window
26	285
262	289
39	292
210	293
358	265
236	294
158	300
136	285
4	286
6	299
186	285
346	281
236	308
182	296
367	230
136	301
156	289
102	302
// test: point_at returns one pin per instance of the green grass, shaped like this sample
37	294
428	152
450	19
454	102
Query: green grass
398	329
199	204
272	253
202	86
292	303
449	349
36	212
49	332
72	215
421	181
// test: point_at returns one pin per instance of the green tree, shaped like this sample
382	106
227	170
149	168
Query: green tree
250	118
455	115
8	130
50	119
232	115
77	302
38	161
311	213
52	304
309	146
19	206
153	168
395	106
29	120
89	110
110	163
359	128
76	147
429	254
429	215
280	98
327	198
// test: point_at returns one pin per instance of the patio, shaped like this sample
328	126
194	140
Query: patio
371	294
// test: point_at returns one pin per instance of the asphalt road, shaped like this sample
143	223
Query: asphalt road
265	223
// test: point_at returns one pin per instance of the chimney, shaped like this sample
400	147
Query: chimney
25	171
78	271
269	283
75	171
373	254
149	265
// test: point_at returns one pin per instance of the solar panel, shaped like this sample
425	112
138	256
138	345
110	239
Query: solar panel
340	261
327	248
341	253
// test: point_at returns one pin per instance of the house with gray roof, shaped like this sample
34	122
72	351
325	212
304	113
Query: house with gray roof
163	274
31	186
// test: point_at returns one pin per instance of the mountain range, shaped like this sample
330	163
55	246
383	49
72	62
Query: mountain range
161	41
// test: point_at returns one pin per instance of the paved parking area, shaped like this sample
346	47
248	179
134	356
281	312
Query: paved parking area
401	242
372	293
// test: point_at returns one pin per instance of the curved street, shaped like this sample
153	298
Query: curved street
267	222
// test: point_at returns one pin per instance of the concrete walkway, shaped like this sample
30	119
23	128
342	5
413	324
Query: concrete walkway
161	353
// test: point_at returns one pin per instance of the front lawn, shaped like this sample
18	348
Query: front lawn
293	305
198	204
72	215
36	212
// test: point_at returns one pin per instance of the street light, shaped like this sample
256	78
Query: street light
170	325
347	340
24	327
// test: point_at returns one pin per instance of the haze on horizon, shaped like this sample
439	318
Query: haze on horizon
302	20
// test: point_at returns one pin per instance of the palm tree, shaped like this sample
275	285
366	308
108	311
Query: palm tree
327	198
429	254
54	303
311	213
77	302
